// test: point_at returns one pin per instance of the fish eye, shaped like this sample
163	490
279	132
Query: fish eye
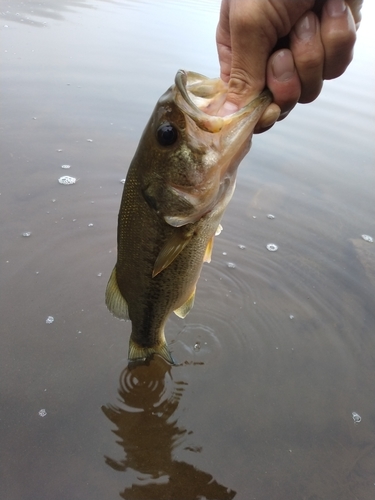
166	134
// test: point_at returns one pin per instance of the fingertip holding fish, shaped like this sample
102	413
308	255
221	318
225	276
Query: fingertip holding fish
268	118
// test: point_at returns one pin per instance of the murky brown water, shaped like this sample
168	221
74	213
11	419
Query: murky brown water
279	350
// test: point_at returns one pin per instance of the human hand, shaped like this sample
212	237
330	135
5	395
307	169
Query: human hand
316	39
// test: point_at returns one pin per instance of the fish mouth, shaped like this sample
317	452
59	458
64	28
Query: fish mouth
201	98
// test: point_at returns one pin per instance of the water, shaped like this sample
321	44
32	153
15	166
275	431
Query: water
273	394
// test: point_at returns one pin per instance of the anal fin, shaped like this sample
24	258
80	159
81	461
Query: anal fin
113	298
183	310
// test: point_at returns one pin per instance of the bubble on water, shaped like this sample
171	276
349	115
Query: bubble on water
270	216
42	412
50	320
368	238
231	265
122	181
90	225
272	247
241	247
357	418
65	166
89	140
66	180
26	234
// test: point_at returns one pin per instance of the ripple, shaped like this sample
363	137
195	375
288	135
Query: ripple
196	343
148	386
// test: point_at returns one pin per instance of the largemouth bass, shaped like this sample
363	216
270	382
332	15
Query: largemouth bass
178	185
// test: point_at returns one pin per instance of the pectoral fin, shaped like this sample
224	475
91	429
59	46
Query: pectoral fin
183	310
114	300
171	249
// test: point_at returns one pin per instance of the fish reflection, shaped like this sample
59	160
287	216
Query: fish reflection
148	434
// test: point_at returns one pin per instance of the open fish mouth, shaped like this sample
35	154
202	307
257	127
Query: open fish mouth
201	98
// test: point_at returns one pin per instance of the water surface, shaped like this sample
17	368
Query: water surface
277	358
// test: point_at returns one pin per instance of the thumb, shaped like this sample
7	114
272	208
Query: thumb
246	36
243	50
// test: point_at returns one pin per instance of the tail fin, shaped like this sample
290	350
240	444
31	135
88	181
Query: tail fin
139	353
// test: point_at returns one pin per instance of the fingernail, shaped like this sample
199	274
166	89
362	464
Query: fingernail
305	28
335	8
283	66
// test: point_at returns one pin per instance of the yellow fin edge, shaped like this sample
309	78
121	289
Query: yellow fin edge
139	353
114	300
183	310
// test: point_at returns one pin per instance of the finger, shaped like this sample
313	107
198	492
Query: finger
338	33
283	81
355	7
246	36
268	119
250	49
223	42
308	54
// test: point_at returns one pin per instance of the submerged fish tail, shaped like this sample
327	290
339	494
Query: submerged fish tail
141	353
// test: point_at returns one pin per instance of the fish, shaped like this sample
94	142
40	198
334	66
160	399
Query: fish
177	188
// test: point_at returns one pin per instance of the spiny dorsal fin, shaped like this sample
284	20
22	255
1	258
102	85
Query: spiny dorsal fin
171	249
114	300
183	310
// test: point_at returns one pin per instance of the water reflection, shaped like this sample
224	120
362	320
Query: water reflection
147	428
28	13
